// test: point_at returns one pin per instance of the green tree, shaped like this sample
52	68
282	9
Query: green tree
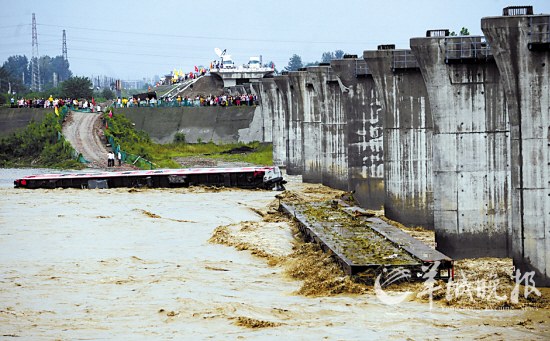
107	94
327	57
77	87
294	63
61	67
464	32
18	67
10	82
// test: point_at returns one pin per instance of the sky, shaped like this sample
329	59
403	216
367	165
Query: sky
134	39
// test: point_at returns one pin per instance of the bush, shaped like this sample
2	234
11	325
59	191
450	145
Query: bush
38	144
179	138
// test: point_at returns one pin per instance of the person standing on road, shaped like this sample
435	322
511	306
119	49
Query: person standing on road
119	157
110	159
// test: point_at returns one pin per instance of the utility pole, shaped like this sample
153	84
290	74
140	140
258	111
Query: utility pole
35	69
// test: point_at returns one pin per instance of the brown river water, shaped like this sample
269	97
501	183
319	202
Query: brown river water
137	264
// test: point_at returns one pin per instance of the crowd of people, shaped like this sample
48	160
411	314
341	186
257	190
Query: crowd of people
186	101
50	102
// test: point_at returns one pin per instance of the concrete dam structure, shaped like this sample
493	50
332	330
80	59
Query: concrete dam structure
451	135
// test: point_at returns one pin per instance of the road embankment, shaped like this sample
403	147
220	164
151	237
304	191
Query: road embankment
12	119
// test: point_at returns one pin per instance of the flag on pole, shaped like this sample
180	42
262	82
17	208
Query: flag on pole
93	101
196	69
56	111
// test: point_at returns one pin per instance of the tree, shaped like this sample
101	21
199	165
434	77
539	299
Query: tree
107	94
327	57
61	67
10	82
294	63
18	67
77	87
464	32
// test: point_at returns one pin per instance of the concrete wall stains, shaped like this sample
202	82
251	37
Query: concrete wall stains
220	125
364	115
520	45
408	129
470	146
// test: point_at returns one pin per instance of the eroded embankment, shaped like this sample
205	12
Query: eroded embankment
484	283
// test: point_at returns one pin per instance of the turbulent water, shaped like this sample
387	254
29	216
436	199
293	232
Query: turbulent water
137	264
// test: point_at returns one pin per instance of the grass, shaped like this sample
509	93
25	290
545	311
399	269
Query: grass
164	155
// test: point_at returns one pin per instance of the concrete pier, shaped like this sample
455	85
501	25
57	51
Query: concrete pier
361	107
297	105
407	136
471	149
520	43
281	121
273	108
315	103
334	133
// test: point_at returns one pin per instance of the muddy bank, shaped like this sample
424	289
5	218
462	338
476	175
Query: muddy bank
125	263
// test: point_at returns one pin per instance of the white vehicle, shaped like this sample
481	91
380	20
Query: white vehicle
227	62
255	63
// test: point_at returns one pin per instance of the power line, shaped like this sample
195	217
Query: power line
205	37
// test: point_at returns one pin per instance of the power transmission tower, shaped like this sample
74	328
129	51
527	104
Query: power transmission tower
35	77
64	49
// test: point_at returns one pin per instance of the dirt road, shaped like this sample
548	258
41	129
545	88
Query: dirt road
83	131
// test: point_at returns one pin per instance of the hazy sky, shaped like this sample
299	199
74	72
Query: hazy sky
131	39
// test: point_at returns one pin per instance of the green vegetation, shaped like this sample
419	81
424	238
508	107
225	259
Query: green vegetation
164	155
38	145
77	87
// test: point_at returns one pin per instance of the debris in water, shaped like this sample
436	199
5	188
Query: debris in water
254	323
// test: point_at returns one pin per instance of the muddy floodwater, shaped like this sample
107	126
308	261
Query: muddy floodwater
137	264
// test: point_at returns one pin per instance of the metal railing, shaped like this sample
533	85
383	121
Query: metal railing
386	47
437	33
403	59
517	10
466	49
